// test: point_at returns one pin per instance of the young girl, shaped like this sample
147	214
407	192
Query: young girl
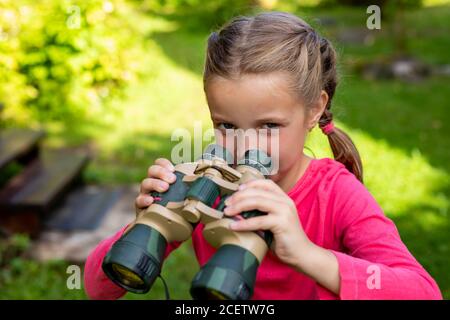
331	238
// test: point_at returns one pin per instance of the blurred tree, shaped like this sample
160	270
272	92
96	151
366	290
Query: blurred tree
64	59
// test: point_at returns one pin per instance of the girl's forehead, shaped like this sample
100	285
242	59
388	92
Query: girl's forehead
272	81
255	93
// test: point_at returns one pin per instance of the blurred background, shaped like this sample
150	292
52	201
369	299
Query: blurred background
90	92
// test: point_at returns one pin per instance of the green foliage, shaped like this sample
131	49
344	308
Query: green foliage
28	279
12	247
196	15
64	59
11	261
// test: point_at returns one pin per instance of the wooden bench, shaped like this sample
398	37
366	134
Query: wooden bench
20	145
31	194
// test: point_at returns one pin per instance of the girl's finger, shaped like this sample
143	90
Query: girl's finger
251	193
149	184
163	162
157	171
266	222
264	184
143	201
255	203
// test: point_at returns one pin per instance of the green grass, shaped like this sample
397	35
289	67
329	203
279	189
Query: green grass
401	130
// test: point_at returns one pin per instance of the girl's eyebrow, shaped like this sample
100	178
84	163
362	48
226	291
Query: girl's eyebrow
268	119
271	119
219	118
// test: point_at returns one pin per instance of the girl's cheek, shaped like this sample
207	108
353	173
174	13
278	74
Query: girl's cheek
290	152
280	150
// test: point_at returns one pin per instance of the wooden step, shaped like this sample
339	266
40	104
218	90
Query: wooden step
84	208
75	245
38	188
18	144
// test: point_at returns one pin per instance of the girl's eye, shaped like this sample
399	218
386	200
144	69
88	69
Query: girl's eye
225	126
270	125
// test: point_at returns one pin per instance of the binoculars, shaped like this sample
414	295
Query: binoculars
135	260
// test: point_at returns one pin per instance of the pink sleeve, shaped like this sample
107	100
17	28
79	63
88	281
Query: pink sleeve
375	263
97	285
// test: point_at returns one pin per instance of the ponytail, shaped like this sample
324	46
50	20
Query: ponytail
344	150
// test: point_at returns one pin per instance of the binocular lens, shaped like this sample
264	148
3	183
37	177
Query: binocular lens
229	274
212	294
134	261
127	276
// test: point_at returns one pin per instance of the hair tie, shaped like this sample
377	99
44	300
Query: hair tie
329	128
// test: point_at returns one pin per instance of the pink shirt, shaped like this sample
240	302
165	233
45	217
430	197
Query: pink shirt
337	213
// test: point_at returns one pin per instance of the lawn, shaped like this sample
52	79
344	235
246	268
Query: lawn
401	130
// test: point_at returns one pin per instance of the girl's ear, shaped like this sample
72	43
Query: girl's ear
317	109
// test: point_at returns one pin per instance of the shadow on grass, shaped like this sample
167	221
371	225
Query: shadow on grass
408	116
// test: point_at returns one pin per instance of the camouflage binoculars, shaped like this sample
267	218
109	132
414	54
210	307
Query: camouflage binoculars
135	260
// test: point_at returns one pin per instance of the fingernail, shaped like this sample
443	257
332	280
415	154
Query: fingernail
171	177
162	185
242	187
148	200
172	168
228	210
228	201
233	224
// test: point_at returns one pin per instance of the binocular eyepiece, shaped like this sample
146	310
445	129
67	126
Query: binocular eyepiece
134	261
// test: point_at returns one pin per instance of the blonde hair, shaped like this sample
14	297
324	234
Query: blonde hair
282	42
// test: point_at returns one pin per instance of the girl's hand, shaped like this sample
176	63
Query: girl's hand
290	241
159	176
